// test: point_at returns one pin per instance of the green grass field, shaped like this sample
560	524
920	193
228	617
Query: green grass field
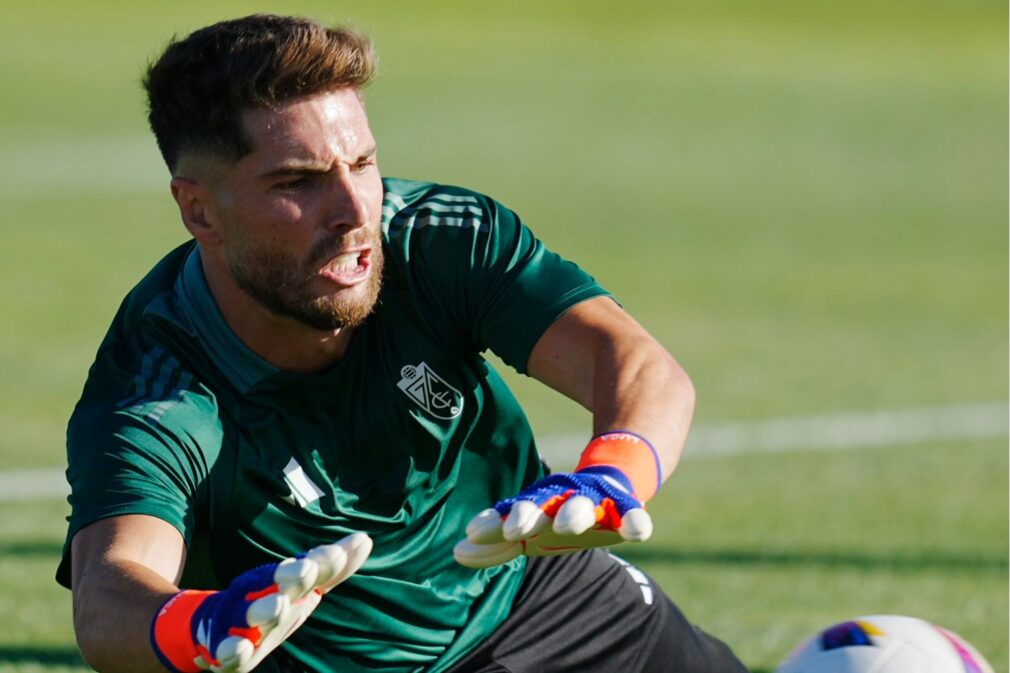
806	202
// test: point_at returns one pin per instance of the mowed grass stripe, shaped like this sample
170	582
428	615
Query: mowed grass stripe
17	485
67	163
829	432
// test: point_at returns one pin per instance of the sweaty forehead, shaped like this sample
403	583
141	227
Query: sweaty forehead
322	126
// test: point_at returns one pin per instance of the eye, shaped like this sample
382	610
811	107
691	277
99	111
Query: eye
294	184
363	165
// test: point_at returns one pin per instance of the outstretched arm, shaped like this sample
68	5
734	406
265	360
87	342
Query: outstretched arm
130	616
642	402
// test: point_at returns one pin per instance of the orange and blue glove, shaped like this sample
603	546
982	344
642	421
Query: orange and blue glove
600	504
233	630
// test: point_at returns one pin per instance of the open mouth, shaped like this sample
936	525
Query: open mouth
349	268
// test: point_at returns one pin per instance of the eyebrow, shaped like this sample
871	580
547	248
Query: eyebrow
310	166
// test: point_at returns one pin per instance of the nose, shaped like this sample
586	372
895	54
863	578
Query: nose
348	204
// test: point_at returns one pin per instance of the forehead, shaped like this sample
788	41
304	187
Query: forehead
326	125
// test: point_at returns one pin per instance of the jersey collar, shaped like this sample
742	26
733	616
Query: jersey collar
243	367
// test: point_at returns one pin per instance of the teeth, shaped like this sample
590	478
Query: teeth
345	263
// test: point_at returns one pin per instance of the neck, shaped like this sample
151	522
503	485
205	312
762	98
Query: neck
284	342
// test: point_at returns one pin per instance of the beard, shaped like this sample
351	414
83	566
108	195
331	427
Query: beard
279	283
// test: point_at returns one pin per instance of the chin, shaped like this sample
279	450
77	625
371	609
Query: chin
333	312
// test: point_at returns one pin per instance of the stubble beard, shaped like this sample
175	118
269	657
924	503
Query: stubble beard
280	284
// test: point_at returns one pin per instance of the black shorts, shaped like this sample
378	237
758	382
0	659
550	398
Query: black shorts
594	612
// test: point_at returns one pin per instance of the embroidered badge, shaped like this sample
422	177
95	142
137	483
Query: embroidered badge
430	391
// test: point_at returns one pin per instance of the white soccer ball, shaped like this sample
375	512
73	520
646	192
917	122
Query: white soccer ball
885	644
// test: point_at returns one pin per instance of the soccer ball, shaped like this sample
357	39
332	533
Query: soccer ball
885	644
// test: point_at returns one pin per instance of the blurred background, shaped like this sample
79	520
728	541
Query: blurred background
806	202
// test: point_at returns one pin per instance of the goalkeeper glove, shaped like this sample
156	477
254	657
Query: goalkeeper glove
598	505
233	630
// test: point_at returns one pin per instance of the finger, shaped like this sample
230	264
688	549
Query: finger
272	635
480	556
524	520
636	525
485	528
267	610
296	577
330	559
233	655
575	516
340	560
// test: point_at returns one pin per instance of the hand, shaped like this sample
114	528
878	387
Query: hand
233	630
561	513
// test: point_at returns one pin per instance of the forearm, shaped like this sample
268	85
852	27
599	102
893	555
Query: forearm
602	358
639	387
114	606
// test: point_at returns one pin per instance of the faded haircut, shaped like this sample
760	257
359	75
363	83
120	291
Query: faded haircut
199	87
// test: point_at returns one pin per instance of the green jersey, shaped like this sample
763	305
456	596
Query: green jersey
406	438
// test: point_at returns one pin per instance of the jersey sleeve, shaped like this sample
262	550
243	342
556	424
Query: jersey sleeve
523	288
147	453
484	270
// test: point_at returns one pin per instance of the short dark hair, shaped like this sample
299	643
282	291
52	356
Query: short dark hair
200	86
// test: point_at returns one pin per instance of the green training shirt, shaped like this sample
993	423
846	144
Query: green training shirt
405	439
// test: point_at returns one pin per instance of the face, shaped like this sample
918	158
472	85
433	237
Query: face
299	216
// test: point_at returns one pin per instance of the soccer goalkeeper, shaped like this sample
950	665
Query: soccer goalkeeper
290	455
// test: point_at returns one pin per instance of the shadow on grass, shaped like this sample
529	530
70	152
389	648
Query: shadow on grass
815	559
51	656
31	548
68	656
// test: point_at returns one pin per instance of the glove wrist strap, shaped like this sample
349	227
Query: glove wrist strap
171	631
630	453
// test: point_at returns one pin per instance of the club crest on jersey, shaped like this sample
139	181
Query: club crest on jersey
430	391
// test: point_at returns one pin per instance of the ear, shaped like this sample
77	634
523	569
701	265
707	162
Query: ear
196	210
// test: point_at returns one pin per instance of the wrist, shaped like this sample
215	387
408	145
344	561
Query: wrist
172	634
631	454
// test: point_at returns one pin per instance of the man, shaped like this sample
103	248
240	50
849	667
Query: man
294	404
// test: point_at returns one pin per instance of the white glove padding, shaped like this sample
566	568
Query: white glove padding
559	514
233	630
